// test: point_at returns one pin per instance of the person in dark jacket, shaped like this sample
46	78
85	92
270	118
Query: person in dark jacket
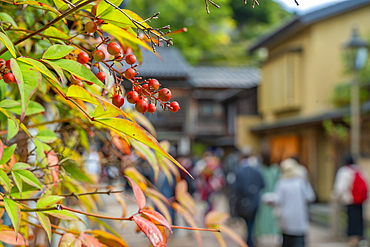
248	184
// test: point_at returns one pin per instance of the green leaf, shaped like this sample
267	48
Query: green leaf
58	70
16	70
122	34
57	51
49	200
8	152
29	178
65	215
103	6
79	70
135	131
77	173
39	66
40	154
4	178
3	89
78	92
47	135
45	222
27	190
13	129
7	103
53	31
39	5
7	18
21	166
14	212
18	182
30	84
8	43
33	108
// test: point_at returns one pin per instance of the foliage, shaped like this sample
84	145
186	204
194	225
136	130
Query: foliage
55	104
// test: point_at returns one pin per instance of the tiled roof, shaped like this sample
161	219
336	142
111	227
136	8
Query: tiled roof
172	63
298	23
224	77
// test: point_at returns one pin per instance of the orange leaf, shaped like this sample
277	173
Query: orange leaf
122	202
157	217
120	143
220	239
67	240
139	195
189	219
89	241
151	231
215	218
183	197
53	161
235	237
157	194
7	235
107	238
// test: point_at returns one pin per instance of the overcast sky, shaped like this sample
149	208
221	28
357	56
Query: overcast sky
306	5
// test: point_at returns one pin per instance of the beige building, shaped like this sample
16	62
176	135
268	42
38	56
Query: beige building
303	66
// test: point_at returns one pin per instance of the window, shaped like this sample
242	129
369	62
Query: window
281	82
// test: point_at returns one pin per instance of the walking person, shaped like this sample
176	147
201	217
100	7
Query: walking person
248	185
293	195
266	222
351	189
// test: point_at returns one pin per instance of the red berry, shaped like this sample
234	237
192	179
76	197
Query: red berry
152	108
83	58
99	56
132	97
99	21
9	78
153	84
130	73
101	76
130	59
113	48
2	62
93	10
164	94
145	88
141	105
89	83
91	27
7	64
118	100
174	106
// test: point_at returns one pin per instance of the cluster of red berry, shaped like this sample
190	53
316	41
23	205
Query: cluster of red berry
145	95
5	72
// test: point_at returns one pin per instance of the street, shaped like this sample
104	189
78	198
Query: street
318	236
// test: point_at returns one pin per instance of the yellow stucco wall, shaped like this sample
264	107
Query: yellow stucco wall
321	64
243	135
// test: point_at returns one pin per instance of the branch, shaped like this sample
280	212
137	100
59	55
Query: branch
68	12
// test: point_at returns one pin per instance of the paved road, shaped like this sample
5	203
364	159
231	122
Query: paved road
318	236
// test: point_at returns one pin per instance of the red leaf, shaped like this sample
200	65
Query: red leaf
139	195
89	241
151	231
157	217
53	161
9	237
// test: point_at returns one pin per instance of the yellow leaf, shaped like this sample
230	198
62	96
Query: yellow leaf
215	218
107	238
235	237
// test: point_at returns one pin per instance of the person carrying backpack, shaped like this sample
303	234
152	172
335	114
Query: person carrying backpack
351	189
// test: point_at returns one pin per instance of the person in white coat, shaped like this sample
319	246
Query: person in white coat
293	195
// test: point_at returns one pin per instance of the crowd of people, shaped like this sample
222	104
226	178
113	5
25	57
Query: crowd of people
272	198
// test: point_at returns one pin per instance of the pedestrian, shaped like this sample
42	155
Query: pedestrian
351	190
293	195
266	222
248	184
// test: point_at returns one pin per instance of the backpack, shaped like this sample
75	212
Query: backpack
359	188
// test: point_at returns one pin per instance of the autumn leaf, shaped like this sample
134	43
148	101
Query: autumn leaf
151	231
138	193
